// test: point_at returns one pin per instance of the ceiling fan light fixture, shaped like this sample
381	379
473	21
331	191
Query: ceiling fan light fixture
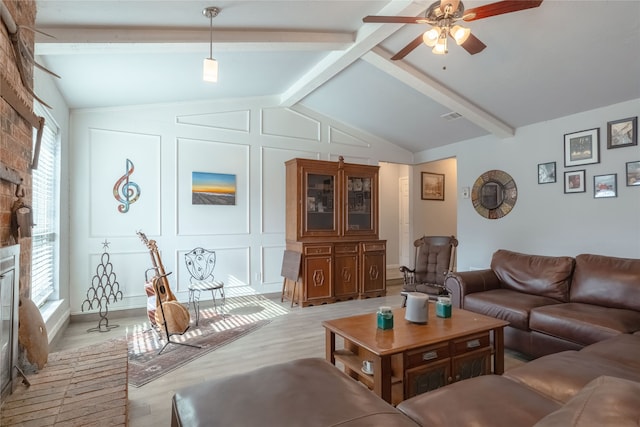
440	47
210	65
460	34
431	37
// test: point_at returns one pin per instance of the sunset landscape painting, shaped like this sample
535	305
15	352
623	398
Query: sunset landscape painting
213	188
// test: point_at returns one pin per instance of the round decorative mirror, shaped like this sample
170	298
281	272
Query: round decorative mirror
494	194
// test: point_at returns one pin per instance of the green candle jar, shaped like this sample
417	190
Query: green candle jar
385	318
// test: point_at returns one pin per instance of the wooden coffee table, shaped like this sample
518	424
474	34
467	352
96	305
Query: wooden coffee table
410	358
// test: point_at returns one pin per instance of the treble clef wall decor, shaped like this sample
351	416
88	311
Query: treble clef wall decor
125	191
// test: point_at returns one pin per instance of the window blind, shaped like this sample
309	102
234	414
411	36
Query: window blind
45	206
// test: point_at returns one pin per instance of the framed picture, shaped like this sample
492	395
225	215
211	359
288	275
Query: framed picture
582	148
633	173
213	188
622	133
574	181
432	186
546	173
605	185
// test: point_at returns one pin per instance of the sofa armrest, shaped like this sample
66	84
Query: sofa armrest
467	282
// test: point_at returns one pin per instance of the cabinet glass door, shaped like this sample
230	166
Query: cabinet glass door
320	203
359	205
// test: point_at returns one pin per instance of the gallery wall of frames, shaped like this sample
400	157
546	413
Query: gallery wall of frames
583	148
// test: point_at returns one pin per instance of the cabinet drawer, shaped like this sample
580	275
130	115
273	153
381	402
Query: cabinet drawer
373	246
317	250
471	343
426	355
346	249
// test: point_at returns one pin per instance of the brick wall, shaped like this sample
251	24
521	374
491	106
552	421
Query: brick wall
16	133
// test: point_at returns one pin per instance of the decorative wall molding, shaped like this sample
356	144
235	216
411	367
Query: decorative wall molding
337	136
233	266
109	151
334	157
197	155
291	124
273	171
237	121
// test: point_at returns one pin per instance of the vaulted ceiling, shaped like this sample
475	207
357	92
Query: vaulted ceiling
563	57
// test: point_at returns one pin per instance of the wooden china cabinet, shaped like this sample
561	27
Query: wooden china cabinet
332	221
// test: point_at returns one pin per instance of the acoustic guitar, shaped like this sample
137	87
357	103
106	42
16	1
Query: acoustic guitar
176	315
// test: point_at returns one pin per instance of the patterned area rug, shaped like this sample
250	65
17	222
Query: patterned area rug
243	315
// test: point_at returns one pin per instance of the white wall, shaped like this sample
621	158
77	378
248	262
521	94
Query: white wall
435	217
250	138
544	219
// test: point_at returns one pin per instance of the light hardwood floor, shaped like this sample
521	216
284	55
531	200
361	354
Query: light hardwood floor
297	334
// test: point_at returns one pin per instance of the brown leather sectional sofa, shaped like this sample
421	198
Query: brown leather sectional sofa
585	310
553	303
596	386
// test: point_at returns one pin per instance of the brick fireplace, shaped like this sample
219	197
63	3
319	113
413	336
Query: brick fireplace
15	135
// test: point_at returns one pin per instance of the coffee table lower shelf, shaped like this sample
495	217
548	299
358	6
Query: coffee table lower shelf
353	366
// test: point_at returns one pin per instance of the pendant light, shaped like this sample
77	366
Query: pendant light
210	66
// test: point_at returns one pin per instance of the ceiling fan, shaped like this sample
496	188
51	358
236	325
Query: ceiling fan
443	16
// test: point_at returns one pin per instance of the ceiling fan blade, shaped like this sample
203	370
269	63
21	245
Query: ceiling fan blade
408	48
499	8
473	45
394	19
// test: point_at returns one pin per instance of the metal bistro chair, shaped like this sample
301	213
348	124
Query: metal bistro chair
435	257
200	263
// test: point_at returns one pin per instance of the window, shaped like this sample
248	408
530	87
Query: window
45	205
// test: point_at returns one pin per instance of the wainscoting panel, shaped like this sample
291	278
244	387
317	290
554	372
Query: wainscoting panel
124	183
352	159
223	120
233	267
336	136
273	185
272	264
289	123
217	158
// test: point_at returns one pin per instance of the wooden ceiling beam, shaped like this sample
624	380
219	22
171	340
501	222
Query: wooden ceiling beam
438	92
74	40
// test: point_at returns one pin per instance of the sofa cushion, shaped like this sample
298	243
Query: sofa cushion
489	400
534	274
606	281
583	323
561	375
506	304
624	348
309	392
605	401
